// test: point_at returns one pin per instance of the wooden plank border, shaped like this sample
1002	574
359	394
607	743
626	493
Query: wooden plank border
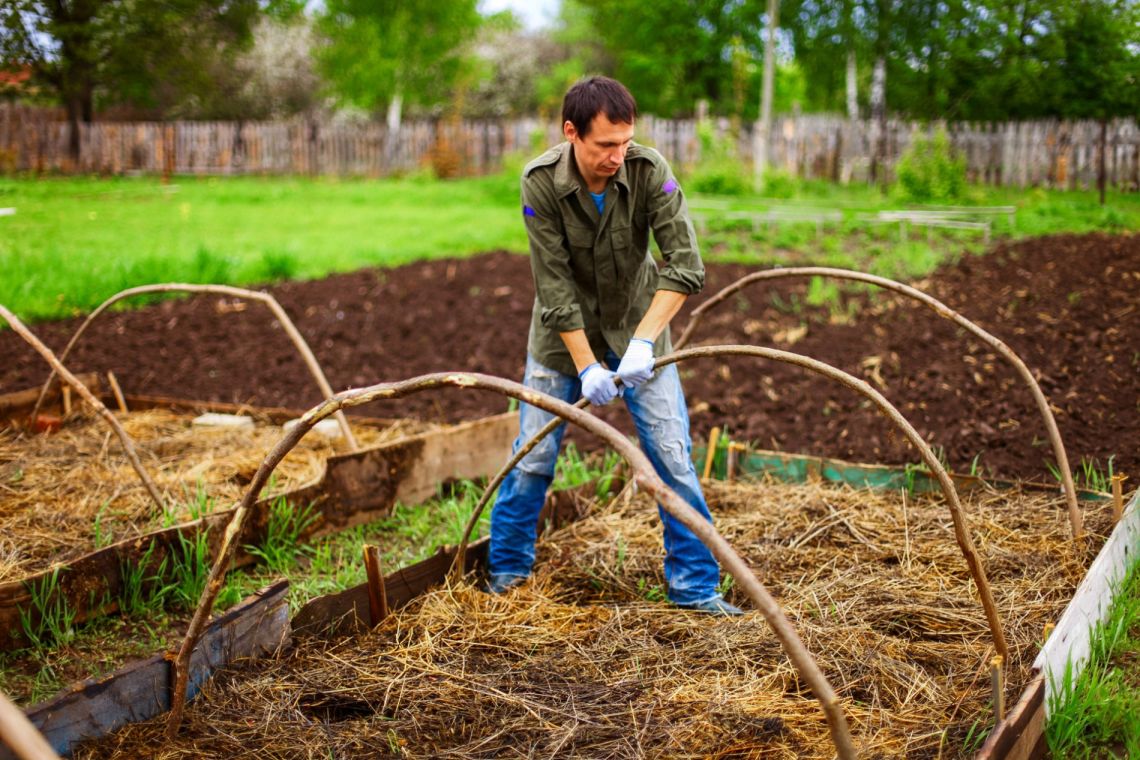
139	691
1021	735
355	488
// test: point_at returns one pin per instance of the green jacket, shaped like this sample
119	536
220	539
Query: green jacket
597	274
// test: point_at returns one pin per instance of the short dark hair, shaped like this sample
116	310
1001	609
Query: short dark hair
589	97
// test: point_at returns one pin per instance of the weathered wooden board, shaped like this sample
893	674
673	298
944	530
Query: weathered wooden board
347	610
355	488
1020	736
1054	153
16	405
256	627
1070	640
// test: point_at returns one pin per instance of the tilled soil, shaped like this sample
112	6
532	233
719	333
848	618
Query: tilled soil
1067	304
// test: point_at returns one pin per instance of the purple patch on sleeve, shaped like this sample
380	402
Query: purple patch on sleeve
528	211
670	185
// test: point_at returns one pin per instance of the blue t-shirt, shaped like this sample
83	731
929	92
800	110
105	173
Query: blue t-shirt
599	200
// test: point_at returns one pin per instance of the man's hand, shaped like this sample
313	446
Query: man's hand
637	365
598	384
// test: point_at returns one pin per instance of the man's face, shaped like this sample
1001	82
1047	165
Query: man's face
601	152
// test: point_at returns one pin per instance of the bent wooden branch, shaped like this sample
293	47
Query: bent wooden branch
72	381
1075	519
961	529
644	475
174	287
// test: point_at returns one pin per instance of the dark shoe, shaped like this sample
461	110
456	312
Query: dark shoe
501	583
715	606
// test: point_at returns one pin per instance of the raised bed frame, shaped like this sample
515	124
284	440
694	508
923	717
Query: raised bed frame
260	624
355	488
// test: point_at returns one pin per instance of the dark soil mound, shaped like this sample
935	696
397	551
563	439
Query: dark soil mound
1066	304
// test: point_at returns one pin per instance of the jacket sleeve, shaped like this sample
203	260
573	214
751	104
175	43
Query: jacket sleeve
684	272
550	259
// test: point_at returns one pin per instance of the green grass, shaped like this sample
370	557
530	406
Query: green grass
74	242
880	249
1098	715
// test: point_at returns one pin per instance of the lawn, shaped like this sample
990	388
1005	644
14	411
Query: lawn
73	242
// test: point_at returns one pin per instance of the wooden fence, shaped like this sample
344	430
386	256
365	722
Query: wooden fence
1039	153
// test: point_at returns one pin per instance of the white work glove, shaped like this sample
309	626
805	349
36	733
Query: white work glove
637	365
598	384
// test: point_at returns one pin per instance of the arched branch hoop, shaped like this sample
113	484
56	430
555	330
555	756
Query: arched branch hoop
175	287
961	528
1075	519
644	475
57	368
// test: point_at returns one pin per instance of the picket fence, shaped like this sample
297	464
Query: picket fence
1060	154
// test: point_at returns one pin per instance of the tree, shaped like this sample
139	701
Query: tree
673	53
1100	67
120	50
382	53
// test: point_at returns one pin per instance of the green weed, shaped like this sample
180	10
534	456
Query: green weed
188	568
51	620
651	592
283	535
101	535
140	592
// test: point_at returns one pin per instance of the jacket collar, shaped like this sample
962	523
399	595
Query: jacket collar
568	180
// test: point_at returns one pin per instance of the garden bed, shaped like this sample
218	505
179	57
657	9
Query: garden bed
73	491
587	660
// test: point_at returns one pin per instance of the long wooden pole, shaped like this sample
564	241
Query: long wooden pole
270	302
18	733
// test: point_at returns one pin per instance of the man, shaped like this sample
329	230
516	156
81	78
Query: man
602	311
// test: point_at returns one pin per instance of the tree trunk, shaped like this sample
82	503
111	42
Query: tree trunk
74	115
1101	172
392	138
764	129
852	87
878	118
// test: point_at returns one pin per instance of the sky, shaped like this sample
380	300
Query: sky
533	13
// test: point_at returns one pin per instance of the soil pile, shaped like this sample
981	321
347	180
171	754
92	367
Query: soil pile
1067	304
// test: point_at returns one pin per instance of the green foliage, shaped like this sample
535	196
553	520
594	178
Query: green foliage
51	619
720	171
929	172
779	184
573	469
141	591
157	54
378	50
283	535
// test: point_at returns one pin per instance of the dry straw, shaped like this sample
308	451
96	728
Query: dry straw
584	661
65	494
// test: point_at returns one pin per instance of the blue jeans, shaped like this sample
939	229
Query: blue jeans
662	422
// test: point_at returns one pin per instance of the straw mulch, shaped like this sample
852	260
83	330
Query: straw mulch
61	494
580	663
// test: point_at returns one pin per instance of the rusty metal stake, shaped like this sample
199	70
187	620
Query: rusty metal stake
377	593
